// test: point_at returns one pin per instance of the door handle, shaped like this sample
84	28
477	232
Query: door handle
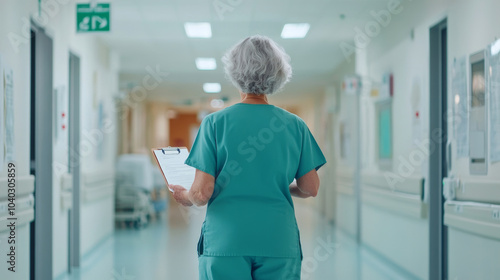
448	155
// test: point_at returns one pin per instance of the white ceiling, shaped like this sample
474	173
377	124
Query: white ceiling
151	32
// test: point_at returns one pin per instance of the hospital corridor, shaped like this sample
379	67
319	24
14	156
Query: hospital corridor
249	140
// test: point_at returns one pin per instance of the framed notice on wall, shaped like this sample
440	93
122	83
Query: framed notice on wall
384	134
493	55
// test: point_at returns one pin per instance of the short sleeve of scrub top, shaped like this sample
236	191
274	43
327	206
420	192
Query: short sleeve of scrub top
311	156
203	153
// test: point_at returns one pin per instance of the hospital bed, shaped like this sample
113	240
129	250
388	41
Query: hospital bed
134	182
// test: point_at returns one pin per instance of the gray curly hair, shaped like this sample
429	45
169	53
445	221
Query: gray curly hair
257	65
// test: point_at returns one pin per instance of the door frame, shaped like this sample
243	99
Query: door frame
42	93
74	160
438	168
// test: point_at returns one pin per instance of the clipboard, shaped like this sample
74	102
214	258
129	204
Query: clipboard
170	160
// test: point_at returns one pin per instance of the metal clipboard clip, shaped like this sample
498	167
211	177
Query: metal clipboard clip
171	151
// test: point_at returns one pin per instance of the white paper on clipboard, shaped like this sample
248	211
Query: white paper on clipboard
171	162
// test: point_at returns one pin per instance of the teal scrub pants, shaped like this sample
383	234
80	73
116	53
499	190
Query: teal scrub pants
249	268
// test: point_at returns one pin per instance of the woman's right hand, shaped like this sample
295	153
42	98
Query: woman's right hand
306	186
180	195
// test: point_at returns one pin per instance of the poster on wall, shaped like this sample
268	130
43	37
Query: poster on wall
384	138
375	90
460	106
493	58
9	113
385	133
352	85
387	86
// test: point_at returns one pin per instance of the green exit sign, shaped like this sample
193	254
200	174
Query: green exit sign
92	18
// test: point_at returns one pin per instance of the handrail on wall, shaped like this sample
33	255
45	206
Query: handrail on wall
484	191
24	212
98	185
407	185
477	218
345	181
98	176
405	197
396	202
24	185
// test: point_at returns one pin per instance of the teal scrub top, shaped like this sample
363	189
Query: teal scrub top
254	151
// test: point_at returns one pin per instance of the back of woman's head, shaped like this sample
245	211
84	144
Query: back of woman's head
257	65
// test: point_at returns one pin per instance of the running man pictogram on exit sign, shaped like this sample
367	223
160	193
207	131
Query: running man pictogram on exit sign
92	18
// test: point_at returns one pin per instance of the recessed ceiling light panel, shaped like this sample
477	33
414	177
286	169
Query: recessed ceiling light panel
198	29
495	48
204	63
295	30
212	87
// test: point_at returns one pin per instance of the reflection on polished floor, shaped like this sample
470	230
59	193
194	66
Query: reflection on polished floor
166	249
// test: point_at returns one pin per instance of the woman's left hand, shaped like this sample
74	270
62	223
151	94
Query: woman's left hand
180	194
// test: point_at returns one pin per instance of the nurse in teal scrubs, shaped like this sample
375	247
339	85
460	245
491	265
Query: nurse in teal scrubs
246	158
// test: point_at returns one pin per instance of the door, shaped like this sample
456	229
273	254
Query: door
438	132
74	160
41	153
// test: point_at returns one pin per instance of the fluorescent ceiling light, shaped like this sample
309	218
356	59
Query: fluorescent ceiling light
212	87
198	29
495	48
295	30
203	63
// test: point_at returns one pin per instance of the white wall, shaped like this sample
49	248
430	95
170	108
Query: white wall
11	13
325	132
97	218
402	239
96	59
317	110
346	209
472	26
